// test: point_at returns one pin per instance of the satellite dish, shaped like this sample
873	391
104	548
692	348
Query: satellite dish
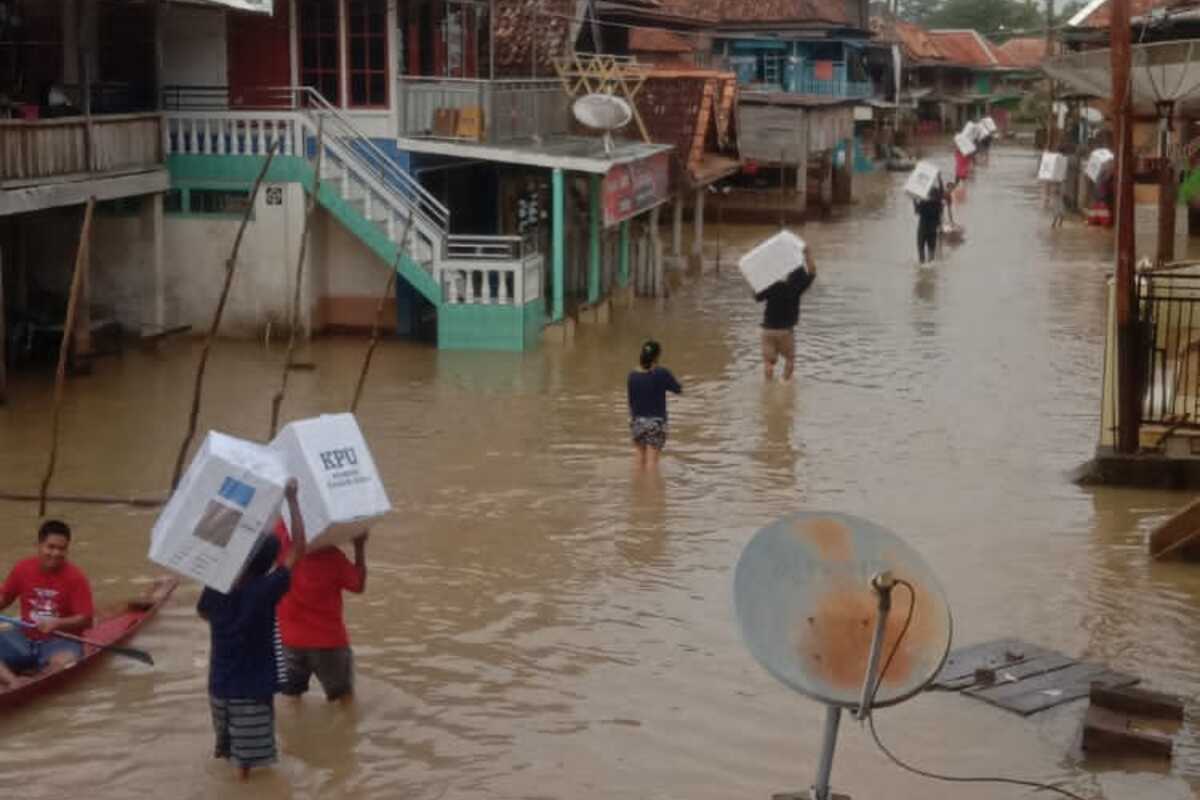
603	112
809	595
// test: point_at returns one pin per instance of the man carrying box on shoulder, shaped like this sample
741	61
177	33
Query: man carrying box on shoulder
311	625
55	596
781	315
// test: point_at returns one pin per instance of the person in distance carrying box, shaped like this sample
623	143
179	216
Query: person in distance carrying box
782	314
242	673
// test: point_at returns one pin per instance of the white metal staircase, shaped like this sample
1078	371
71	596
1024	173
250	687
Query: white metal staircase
359	183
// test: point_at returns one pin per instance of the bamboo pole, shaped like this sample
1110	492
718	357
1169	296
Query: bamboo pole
277	400
64	348
387	292
230	269
96	500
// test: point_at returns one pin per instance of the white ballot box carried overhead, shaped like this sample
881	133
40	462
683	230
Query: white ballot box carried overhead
922	179
964	143
228	498
1099	164
341	493
773	260
1053	168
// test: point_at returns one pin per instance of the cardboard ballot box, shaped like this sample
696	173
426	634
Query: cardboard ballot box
1099	164
922	179
1053	168
965	143
341	493
773	260
228	498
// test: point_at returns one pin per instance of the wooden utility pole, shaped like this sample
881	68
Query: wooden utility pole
1128	405
1052	116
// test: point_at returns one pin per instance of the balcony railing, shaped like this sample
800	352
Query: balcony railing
41	149
510	110
491	270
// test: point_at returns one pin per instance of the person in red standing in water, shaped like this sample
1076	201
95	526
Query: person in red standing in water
55	596
311	624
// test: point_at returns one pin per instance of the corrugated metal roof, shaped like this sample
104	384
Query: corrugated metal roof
1098	13
964	47
1025	53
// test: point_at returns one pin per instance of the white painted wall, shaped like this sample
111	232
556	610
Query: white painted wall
197	248
194	46
338	267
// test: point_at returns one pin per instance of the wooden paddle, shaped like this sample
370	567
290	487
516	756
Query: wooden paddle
129	652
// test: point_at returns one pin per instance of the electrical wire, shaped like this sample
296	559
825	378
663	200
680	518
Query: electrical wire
912	605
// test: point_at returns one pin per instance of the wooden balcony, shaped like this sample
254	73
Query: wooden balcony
53	162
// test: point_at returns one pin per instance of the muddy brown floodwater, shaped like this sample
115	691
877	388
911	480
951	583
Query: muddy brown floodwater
539	625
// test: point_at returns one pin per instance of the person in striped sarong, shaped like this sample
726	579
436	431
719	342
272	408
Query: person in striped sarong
243	671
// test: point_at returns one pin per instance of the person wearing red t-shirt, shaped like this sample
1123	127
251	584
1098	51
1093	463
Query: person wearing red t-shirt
55	596
310	617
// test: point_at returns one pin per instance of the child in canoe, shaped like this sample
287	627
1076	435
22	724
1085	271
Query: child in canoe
243	673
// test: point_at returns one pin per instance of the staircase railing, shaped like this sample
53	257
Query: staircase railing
369	159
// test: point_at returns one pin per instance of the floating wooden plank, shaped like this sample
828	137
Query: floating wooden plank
1049	689
1180	531
1139	702
1107	731
962	664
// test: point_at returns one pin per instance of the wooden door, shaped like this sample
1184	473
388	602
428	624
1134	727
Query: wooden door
260	58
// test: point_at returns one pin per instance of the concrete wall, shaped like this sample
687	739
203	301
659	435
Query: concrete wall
194	52
350	279
197	247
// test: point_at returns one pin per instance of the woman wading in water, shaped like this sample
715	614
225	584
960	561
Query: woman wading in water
648	387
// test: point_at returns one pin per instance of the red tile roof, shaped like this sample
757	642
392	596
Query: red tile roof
523	35
830	11
658	40
965	48
1024	53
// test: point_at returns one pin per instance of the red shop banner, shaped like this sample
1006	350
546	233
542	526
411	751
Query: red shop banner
630	189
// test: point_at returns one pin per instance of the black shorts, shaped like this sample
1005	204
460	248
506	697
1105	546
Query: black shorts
334	668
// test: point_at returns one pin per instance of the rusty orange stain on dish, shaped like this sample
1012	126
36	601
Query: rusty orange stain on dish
834	642
833	539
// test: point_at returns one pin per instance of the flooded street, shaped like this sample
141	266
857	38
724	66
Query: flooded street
538	624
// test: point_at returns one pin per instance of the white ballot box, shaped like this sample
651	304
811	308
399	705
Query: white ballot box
341	493
1053	168
228	498
922	179
773	260
1099	164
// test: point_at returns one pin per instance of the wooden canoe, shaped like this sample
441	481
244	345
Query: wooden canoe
111	628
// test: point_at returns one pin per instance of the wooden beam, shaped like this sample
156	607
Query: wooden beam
74	193
1139	702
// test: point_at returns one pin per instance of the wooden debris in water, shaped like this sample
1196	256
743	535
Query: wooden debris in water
1179	536
1131	722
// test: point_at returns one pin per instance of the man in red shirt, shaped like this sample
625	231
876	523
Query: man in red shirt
310	617
55	596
